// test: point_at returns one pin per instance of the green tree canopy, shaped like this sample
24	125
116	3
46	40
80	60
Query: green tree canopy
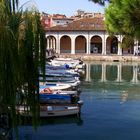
101	2
123	16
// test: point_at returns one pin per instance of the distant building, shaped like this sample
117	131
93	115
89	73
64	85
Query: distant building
83	33
82	14
54	20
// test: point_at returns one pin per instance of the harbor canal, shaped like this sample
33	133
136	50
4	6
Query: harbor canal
111	110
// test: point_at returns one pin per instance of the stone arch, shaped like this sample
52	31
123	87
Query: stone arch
65	44
51	42
128	48
112	45
96	44
80	44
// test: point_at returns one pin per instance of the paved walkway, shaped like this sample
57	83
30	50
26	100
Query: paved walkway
94	57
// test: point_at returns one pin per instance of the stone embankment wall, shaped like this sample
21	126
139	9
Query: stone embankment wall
84	57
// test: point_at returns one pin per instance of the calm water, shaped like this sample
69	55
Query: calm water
111	110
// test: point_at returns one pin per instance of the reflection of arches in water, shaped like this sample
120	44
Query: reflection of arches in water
103	76
127	72
88	73
135	74
96	72
119	73
122	72
111	72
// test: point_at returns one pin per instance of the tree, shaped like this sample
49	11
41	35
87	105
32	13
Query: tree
123	17
22	53
101	2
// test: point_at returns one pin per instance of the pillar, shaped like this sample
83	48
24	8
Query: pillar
58	44
119	48
48	43
88	44
119	45
104	45
73	46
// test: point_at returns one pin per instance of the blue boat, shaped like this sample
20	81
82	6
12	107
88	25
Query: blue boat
57	98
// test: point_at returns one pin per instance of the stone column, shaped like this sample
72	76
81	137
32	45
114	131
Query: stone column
72	45
88	47
51	43
119	44
54	45
88	44
104	45
119	48
58	44
48	43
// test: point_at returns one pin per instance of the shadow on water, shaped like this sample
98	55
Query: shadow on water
73	119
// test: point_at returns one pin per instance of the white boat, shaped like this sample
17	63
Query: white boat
54	86
60	73
72	63
77	61
51	110
59	79
64	92
63	67
74	83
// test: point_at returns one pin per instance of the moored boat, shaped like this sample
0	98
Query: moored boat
54	86
51	110
72	63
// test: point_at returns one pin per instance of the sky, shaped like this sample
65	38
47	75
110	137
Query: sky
67	7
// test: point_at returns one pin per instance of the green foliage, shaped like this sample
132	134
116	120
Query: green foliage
22	45
101	2
128	41
123	16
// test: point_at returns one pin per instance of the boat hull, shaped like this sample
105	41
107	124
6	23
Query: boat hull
51	110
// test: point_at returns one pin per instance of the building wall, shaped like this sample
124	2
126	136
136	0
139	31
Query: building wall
81	41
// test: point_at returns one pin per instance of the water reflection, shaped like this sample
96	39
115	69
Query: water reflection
77	120
111	109
112	80
26	130
109	71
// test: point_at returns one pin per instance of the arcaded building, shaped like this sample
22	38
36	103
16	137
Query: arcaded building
85	36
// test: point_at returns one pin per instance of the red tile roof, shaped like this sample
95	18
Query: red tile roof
85	24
